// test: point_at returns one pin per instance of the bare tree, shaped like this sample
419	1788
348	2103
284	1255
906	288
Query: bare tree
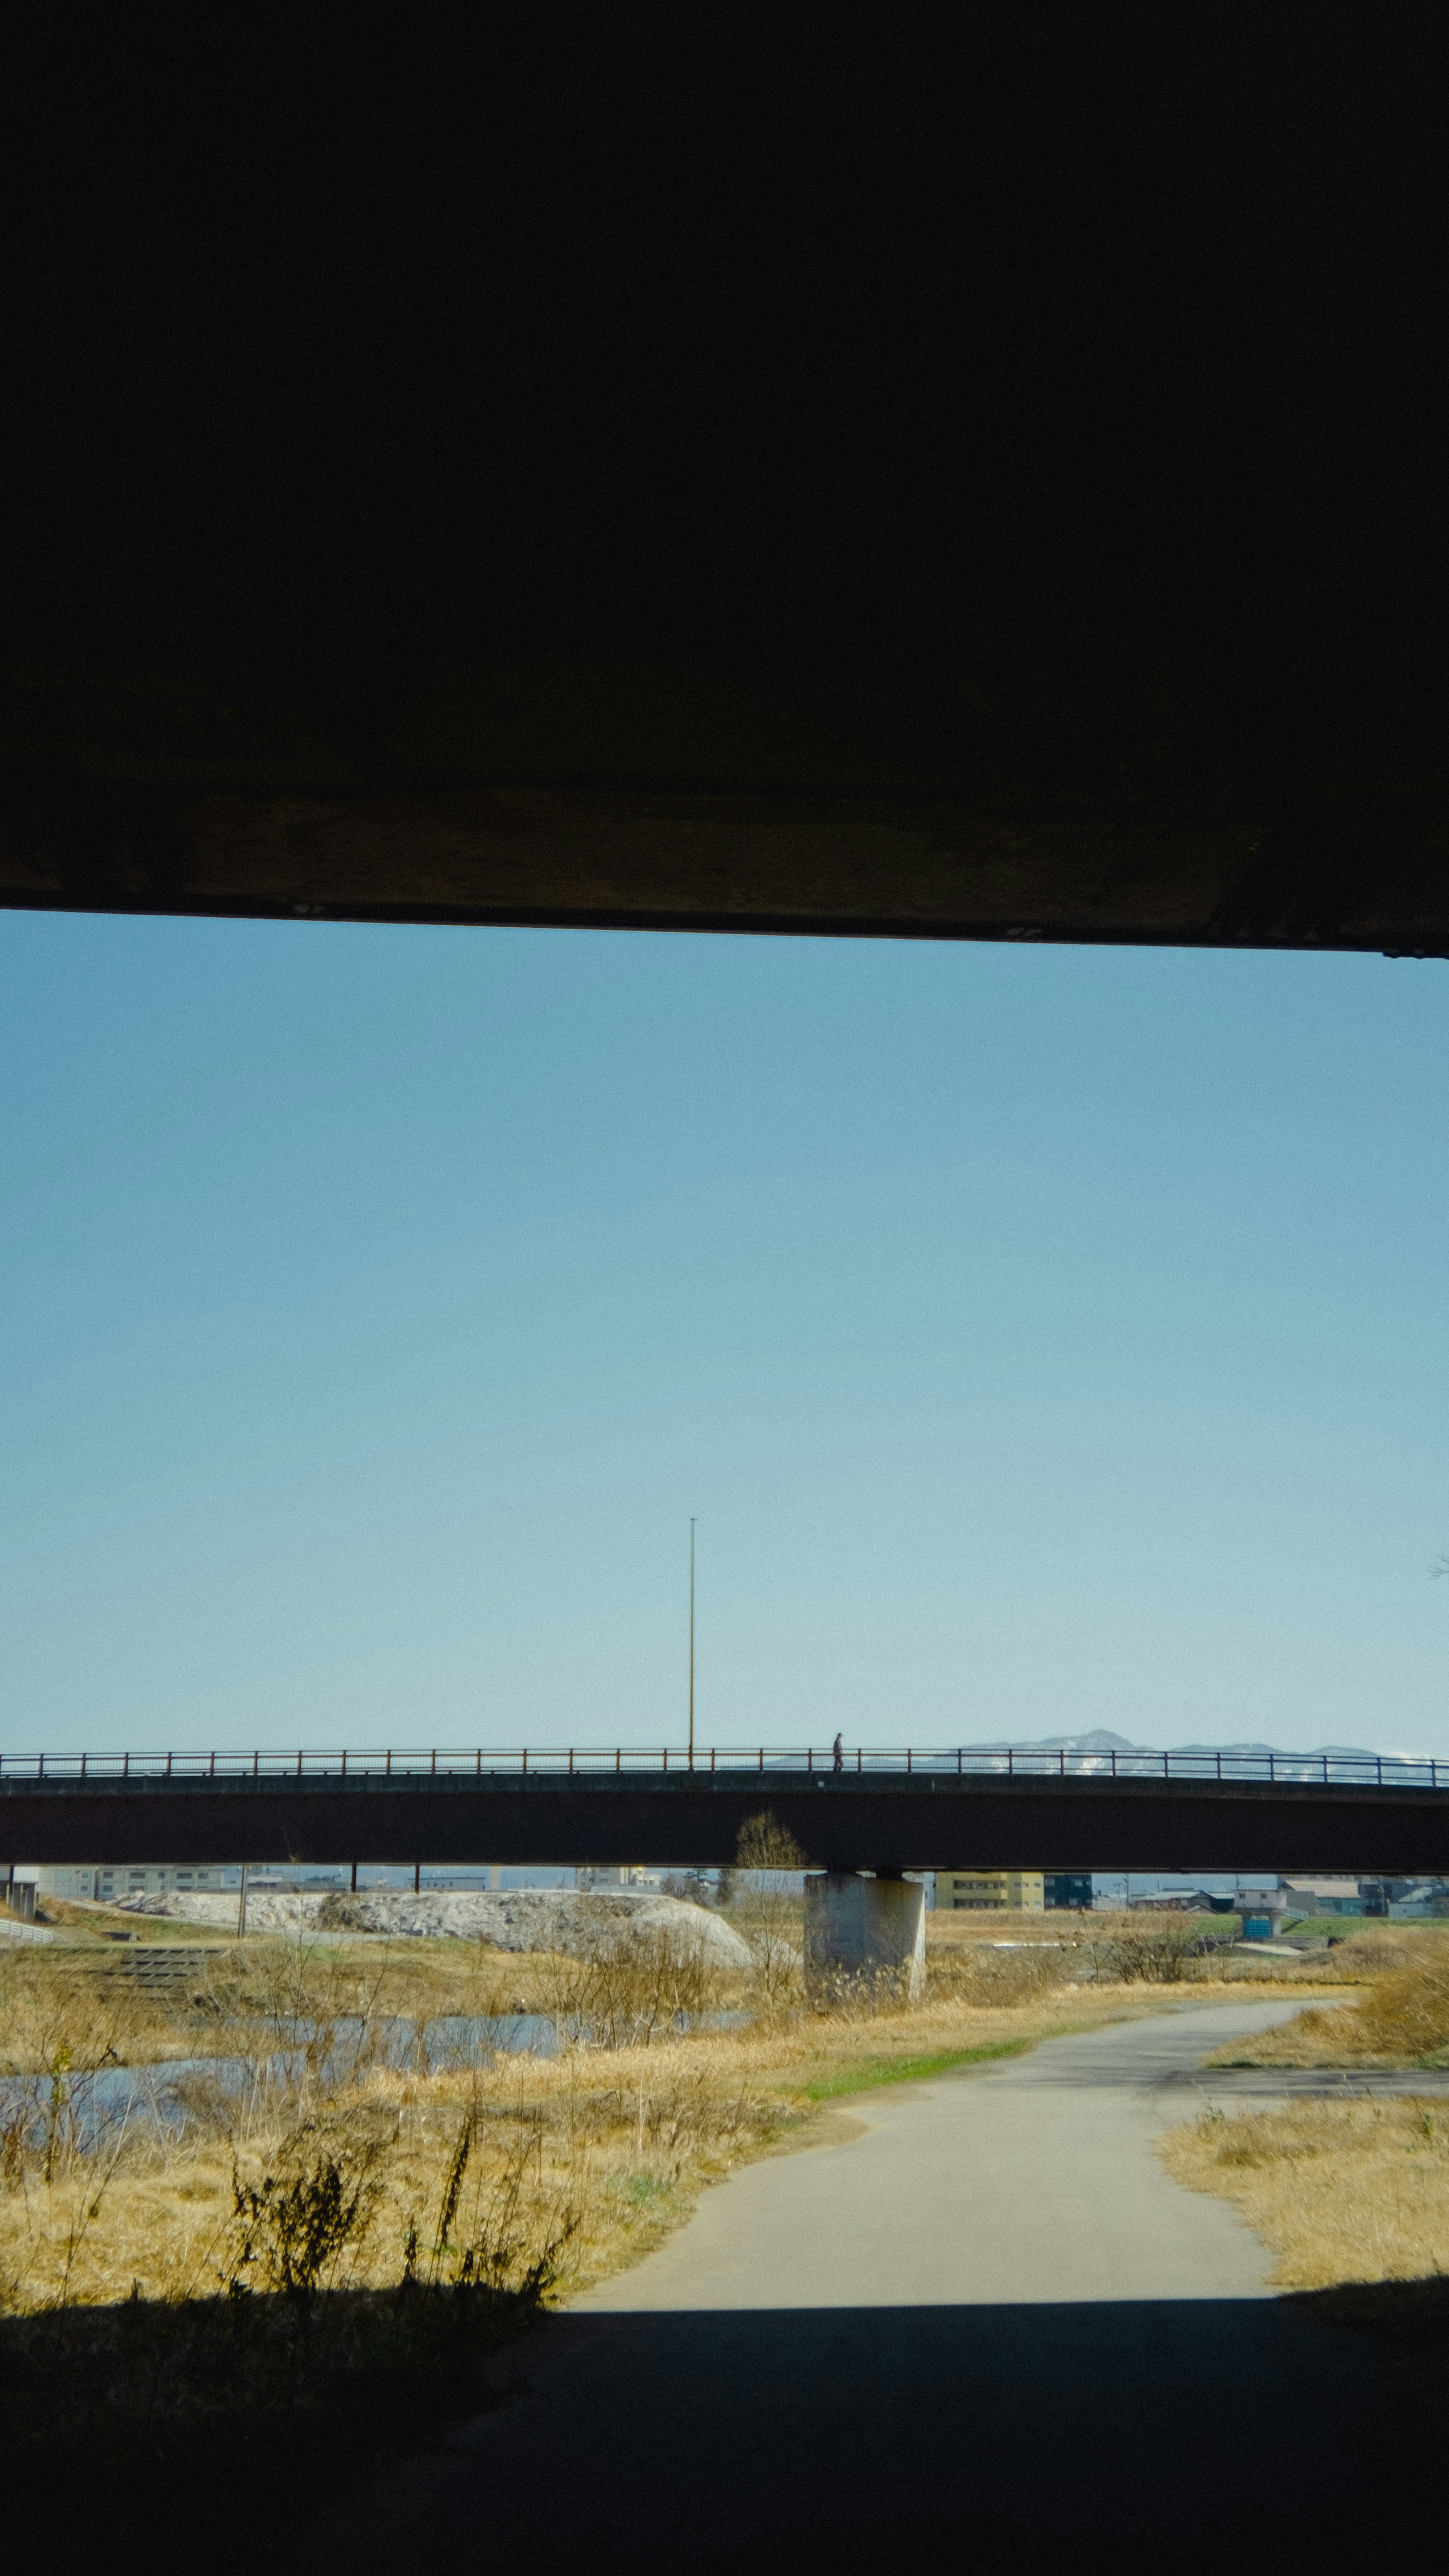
768	1906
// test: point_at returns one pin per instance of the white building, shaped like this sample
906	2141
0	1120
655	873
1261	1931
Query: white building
102	1882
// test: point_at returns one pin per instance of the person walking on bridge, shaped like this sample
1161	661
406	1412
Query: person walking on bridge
838	1755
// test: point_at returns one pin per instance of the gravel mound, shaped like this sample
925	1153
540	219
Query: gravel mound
518	1918
280	1913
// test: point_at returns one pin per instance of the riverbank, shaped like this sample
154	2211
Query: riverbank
599	2091
578	2160
1342	2190
308	2210
977	2306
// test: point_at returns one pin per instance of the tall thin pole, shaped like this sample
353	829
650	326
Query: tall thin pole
691	1642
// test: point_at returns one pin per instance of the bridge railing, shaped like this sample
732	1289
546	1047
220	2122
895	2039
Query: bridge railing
1029	1761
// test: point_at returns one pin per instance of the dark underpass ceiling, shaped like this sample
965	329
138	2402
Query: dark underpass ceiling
1357	873
956	479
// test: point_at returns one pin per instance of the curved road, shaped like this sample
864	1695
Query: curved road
1033	2178
978	2318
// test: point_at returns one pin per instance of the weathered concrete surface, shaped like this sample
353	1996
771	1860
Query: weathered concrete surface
858	1930
987	2322
524	1918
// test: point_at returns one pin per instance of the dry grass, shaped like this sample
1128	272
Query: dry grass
327	2051
1401	2019
297	2253
307	2240
209	1999
599	2151
1346	2190
947	1929
1338	2191
1128	1948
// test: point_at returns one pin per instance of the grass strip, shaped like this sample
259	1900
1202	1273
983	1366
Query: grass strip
1339	2190
875	2071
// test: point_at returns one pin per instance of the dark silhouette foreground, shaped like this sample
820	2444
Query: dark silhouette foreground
1173	2433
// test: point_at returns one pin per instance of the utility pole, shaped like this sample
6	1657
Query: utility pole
691	1641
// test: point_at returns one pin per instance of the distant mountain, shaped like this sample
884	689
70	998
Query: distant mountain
1314	1753
1101	1739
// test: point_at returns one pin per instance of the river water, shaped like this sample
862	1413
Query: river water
94	2106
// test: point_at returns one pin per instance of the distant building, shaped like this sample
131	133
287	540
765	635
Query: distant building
1417	1900
1068	1887
984	1891
1264	1905
1174	1900
1263	1910
1310	1896
102	1883
628	1874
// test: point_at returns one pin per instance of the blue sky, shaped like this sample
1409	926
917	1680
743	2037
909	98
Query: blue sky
1044	1338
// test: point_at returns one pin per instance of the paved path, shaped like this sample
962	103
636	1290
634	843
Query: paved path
1031	2179
985	2320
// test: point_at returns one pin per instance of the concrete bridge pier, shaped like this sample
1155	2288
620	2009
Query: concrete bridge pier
863	1931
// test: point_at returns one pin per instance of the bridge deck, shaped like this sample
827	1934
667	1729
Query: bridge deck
888	1810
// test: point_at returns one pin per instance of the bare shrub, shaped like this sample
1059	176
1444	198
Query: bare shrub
763	1846
981	1974
295	2226
53	2009
12	2151
768	1910
623	1986
1128	1949
489	2239
859	1994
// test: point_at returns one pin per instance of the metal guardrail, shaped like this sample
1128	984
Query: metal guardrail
1328	1770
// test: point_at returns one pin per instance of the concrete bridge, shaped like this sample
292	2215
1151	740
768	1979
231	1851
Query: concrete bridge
860	1818
880	1811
